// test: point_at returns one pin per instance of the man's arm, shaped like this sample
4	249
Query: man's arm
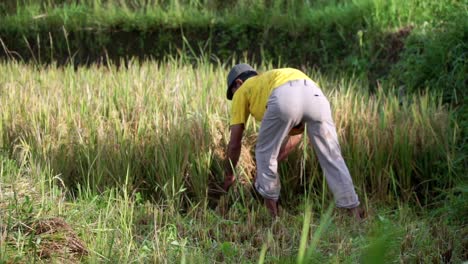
233	154
292	142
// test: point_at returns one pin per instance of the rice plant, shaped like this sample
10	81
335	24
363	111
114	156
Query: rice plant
161	128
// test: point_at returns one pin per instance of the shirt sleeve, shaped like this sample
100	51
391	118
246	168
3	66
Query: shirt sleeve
240	109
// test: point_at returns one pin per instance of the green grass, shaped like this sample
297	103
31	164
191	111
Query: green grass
127	157
141	14
118	226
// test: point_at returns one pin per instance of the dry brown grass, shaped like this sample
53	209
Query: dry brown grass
58	240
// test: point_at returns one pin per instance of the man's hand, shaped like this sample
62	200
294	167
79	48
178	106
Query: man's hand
233	154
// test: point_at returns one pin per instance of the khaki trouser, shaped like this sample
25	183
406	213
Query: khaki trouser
294	102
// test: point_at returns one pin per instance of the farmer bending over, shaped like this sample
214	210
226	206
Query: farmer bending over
284	100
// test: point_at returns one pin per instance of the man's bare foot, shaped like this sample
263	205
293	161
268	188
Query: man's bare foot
357	212
272	207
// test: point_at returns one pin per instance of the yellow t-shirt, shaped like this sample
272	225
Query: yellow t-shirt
252	97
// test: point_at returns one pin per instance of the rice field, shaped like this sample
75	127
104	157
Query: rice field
121	165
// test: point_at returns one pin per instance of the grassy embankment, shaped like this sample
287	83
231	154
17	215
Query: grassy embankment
412	44
126	157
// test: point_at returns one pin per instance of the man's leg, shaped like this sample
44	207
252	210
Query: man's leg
288	146
273	130
322	133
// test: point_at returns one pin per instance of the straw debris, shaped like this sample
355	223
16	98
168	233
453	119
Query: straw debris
57	239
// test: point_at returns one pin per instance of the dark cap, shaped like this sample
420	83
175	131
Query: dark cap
235	72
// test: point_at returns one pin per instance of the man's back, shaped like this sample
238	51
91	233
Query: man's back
252	96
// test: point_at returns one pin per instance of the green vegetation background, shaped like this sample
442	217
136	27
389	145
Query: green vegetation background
417	44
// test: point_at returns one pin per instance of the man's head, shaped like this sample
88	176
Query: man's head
238	74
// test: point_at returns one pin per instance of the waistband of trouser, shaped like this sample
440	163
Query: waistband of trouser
305	83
